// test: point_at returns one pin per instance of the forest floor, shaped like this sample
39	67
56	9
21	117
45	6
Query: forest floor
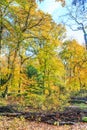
70	119
21	124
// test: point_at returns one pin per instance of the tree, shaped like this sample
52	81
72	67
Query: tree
82	5
49	82
75	17
35	64
21	23
80	2
75	63
29	38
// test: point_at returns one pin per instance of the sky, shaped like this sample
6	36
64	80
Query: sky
56	10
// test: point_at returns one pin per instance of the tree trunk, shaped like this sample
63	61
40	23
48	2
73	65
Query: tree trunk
85	38
4	94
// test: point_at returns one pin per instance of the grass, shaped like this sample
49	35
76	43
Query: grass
81	105
84	119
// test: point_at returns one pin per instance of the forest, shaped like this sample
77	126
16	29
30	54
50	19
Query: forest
40	69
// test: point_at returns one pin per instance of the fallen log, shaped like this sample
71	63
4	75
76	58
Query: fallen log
11	114
67	123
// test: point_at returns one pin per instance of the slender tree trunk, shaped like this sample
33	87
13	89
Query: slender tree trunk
49	89
85	38
4	94
44	76
1	29
19	84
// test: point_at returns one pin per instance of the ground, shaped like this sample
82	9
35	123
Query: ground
71	118
22	124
